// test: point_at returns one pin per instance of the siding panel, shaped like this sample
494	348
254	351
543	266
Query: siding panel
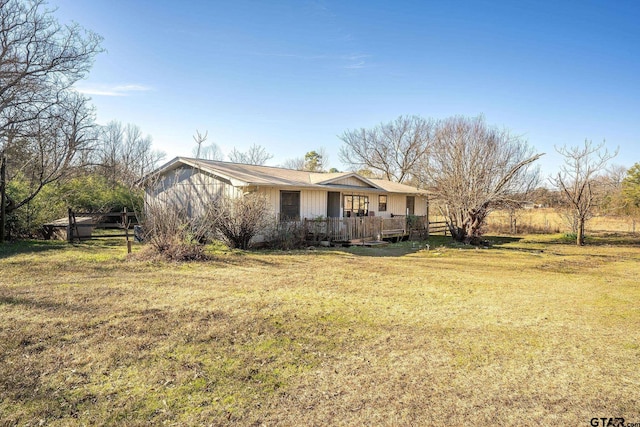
189	189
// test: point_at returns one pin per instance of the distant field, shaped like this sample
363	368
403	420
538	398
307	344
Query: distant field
550	221
531	331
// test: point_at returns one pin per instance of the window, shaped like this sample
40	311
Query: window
356	205
289	205
382	203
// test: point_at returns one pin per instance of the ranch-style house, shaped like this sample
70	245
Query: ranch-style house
345	197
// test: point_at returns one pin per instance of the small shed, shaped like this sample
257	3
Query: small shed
59	229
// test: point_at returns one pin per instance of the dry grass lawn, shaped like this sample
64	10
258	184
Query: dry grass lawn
548	220
528	332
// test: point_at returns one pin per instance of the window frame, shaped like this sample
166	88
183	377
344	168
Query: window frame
349	202
287	217
382	206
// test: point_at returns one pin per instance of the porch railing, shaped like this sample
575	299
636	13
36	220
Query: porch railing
361	228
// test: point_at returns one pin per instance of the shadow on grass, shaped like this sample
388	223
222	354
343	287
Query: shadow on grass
42	305
591	239
30	246
503	242
435	242
406	247
238	260
612	239
96	246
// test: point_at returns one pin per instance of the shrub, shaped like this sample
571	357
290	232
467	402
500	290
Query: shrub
27	221
173	234
286	235
94	193
238	220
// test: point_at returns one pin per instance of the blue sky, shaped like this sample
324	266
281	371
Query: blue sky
294	75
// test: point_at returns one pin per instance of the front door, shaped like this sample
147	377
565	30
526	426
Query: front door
411	203
333	204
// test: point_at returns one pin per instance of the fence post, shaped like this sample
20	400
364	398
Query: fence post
125	223
69	227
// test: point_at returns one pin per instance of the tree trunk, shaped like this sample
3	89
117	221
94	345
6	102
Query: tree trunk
3	198
580	232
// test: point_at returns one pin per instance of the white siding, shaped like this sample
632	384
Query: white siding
313	203
190	189
421	206
273	197
374	205
397	205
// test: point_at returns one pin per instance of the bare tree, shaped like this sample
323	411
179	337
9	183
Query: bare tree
138	158
46	150
296	163
610	186
577	180
108	153
395	149
474	168
124	154
255	155
40	60
208	152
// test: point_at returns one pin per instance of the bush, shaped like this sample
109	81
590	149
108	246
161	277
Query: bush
286	235
173	250
94	193
238	220
174	235
177	233
89	193
569	237
27	221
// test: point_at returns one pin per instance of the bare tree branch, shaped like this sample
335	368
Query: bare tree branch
577	180
45	127
473	169
393	149
255	155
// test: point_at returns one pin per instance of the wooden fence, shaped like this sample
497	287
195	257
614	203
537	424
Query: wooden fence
438	227
81	225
